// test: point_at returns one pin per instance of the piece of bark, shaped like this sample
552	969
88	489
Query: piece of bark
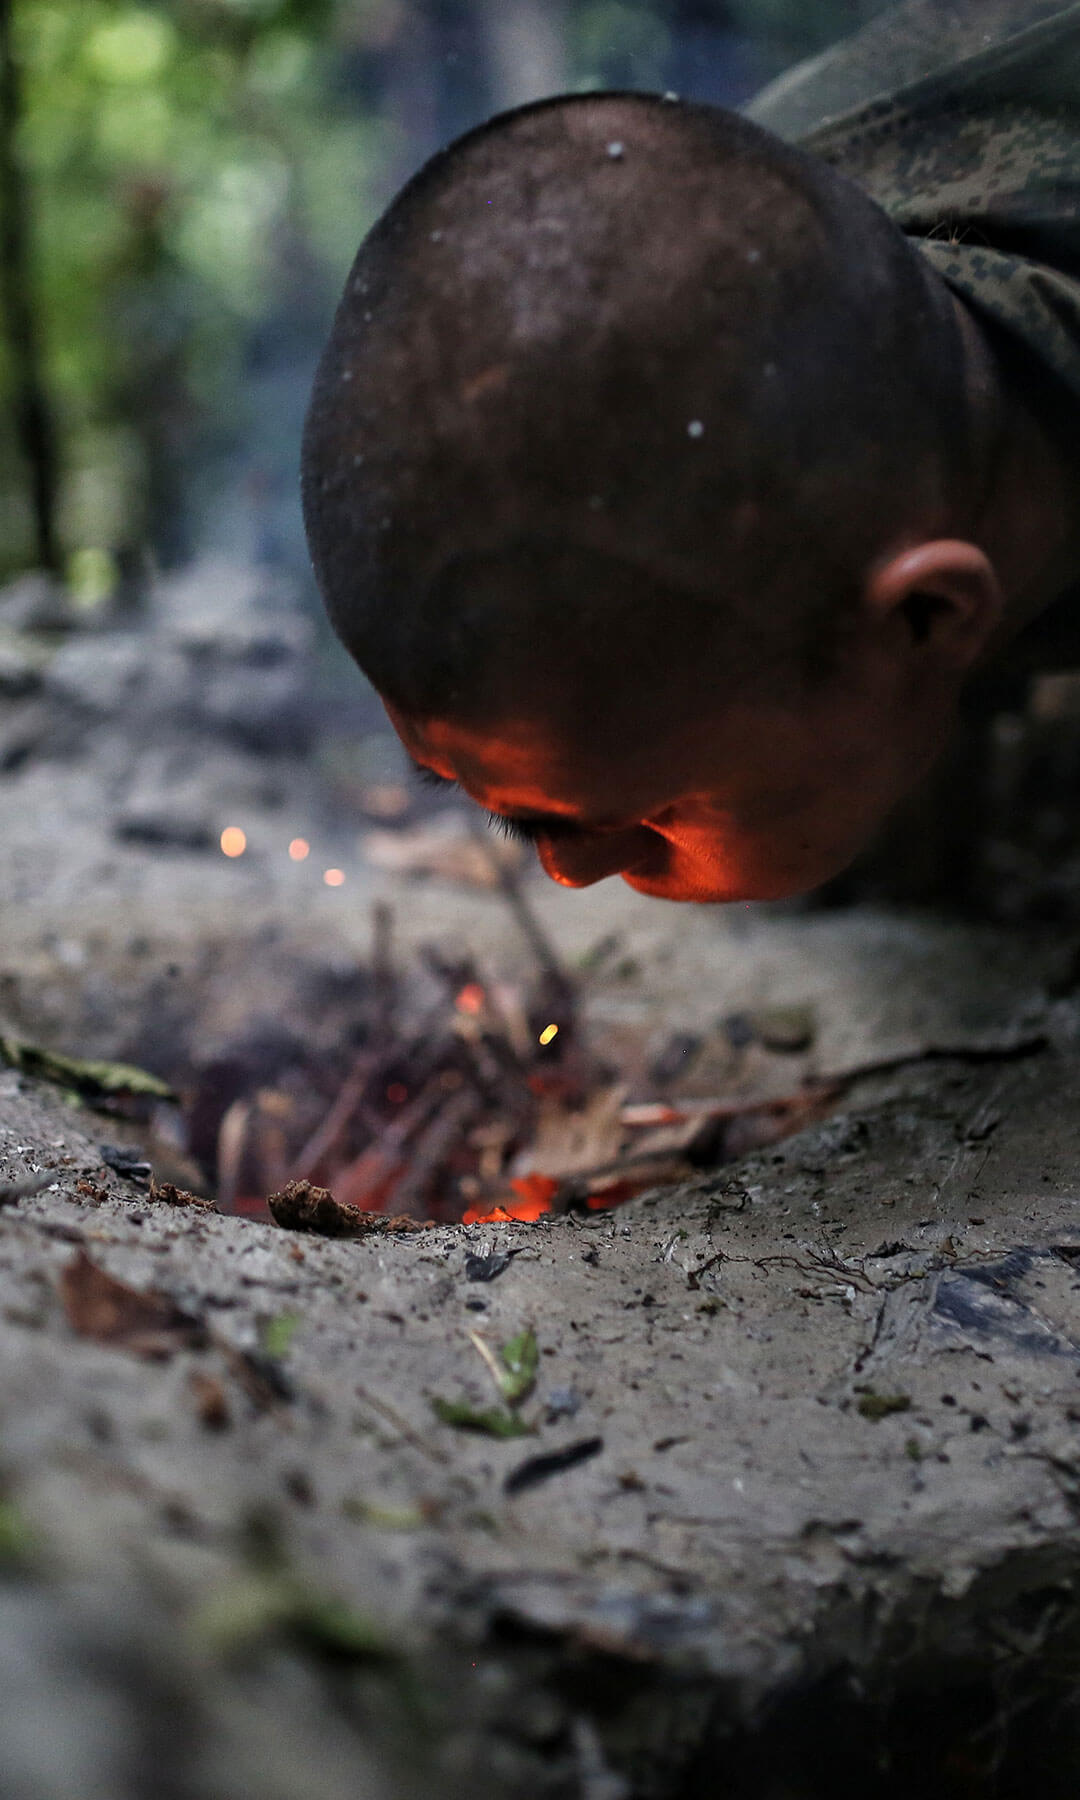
170	1195
301	1207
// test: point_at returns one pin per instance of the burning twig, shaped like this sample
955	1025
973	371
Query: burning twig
560	986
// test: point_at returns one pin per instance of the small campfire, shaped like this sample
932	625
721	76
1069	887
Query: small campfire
487	1105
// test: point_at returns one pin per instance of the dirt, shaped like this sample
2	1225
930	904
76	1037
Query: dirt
792	1508
833	1424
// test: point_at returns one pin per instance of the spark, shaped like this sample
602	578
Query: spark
471	998
334	877
233	841
549	1032
299	849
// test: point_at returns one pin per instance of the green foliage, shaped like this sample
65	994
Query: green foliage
278	1334
185	161
519	1360
94	1080
200	172
254	1609
492	1419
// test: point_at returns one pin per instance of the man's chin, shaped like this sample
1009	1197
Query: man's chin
675	887
712	889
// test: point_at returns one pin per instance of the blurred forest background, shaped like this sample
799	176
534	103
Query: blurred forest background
183	186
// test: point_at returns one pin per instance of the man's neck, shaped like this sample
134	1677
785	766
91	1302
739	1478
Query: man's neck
1026	511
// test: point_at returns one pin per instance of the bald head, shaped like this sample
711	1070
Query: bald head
617	380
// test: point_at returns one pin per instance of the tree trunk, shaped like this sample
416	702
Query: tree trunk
34	421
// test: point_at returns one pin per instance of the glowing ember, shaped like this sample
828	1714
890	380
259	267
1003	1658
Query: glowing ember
334	877
471	998
534	1196
549	1033
233	841
299	849
397	1093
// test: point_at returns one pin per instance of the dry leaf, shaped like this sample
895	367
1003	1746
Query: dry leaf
100	1307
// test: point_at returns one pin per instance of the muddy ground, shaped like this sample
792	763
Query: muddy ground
792	1508
828	1408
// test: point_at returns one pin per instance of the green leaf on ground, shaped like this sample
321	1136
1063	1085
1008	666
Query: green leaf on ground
384	1518
262	1605
87	1078
520	1359
277	1334
492	1419
881	1406
17	1540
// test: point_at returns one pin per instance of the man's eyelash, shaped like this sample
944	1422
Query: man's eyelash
430	778
529	831
523	831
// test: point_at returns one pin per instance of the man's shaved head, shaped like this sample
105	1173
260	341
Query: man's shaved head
613	374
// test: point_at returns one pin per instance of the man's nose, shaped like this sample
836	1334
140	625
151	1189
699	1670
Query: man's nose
590	856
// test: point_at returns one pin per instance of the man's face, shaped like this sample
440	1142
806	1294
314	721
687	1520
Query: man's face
744	802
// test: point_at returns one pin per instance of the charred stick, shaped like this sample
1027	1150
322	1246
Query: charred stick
369	1178
325	1138
433	1145
540	944
384	976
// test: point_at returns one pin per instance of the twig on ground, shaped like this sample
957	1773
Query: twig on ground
11	1192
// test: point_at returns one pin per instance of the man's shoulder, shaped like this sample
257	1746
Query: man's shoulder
903	47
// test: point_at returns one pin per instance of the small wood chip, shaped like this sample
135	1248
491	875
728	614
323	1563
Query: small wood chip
301	1207
170	1195
210	1402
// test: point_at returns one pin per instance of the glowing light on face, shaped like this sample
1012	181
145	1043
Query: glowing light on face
334	877
549	1033
299	849
233	841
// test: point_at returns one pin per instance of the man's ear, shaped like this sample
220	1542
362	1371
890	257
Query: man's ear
945	594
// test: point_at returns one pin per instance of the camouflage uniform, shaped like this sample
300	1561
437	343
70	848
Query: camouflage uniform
962	119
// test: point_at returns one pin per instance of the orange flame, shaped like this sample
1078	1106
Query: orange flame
535	1194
